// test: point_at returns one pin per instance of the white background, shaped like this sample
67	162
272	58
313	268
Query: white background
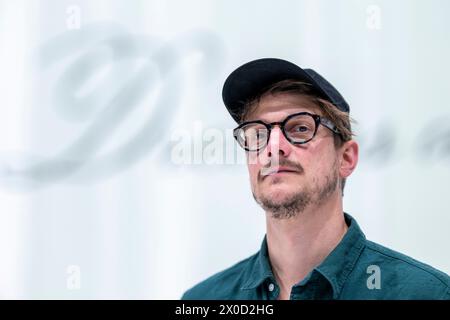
93	206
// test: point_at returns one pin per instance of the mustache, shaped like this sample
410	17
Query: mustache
282	162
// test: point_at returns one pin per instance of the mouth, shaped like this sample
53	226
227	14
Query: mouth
277	172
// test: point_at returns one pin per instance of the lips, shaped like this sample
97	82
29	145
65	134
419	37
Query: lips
273	171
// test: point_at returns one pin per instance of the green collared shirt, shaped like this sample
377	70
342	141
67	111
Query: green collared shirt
356	269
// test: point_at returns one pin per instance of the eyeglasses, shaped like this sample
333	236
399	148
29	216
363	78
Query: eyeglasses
298	128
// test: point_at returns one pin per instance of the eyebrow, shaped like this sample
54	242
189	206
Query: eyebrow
287	115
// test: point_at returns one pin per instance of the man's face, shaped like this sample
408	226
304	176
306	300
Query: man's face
287	178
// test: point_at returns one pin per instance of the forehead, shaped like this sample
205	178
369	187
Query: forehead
275	107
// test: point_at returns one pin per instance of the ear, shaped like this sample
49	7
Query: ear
349	158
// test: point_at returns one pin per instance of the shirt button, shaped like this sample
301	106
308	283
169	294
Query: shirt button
271	287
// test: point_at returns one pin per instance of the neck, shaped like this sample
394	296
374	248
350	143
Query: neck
299	244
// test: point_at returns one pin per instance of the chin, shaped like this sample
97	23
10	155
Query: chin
278	193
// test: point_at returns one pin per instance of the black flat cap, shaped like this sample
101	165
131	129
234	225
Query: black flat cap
250	79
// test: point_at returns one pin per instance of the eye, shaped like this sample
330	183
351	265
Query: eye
301	128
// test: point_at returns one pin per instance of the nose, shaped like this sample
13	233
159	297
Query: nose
278	145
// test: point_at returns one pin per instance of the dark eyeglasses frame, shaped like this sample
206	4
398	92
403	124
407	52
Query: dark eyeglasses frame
317	120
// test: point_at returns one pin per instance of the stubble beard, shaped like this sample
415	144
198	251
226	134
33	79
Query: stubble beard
296	203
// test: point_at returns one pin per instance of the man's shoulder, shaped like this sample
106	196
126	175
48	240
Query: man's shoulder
221	285
402	272
407	263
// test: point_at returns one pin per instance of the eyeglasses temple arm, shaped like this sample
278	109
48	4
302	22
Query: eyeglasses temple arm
330	125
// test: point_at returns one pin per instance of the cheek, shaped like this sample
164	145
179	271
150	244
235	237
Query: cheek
253	166
253	170
315	160
324	165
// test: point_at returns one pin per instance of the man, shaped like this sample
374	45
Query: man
295	128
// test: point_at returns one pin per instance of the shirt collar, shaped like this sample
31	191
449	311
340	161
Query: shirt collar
259	268
335	268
